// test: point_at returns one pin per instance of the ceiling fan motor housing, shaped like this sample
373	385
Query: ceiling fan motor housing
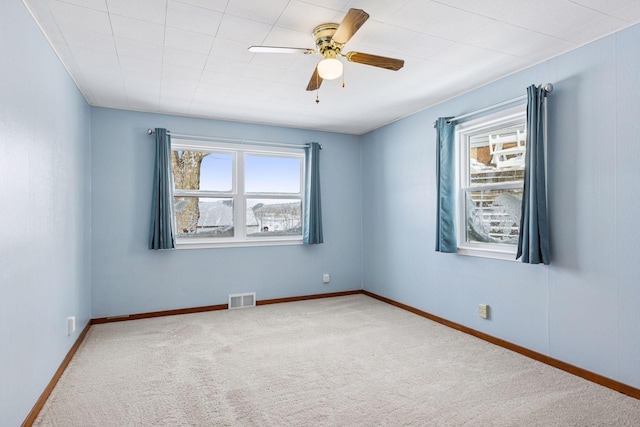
323	36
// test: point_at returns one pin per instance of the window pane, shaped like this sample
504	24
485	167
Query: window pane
274	217
202	170
266	174
203	217
497	156
493	216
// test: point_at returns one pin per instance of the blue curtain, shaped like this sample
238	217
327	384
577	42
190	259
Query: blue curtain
162	233
533	243
312	232
446	240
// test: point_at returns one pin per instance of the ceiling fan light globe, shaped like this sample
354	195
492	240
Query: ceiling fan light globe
330	68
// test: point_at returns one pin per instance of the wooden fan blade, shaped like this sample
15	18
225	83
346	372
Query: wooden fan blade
315	82
375	60
279	49
349	25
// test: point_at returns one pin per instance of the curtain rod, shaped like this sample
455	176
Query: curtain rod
233	140
547	88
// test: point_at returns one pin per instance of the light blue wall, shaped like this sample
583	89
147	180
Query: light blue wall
128	278
584	309
44	193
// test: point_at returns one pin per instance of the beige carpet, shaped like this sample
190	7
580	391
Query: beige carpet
348	361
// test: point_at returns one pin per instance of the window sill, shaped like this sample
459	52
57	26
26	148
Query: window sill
236	243
505	254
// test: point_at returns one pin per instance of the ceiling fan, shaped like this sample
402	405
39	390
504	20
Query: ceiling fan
330	39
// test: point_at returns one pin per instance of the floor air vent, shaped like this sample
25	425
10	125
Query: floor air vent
242	300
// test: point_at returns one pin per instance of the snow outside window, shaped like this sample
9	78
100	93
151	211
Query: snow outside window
491	153
231	195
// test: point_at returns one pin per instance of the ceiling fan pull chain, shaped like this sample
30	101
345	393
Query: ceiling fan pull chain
317	97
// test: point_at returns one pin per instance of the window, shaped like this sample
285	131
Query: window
234	195
491	179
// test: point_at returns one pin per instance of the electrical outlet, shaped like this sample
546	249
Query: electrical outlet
326	278
71	325
483	311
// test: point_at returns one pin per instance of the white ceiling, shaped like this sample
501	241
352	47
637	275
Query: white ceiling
189	57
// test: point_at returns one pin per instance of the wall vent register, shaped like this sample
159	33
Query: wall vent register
242	300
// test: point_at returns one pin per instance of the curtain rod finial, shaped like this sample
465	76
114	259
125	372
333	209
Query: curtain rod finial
149	131
548	88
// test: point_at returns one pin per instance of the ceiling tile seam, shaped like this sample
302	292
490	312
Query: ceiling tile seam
187	3
135	18
627	23
86	92
272	25
223	72
164	42
55	21
83	6
164	36
599	11
107	35
500	51
127	94
335	11
169	26
418	33
196	32
410	30
109	13
348	6
254	20
584	43
122	77
514	25
408	56
587	25
235	15
209	55
324	7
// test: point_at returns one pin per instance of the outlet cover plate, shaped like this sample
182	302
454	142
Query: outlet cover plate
483	311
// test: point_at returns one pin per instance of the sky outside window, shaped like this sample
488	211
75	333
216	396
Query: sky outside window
272	174
216	172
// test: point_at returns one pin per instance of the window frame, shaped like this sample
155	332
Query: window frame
238	195
464	131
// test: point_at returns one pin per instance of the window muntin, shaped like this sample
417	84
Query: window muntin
491	179
230	195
